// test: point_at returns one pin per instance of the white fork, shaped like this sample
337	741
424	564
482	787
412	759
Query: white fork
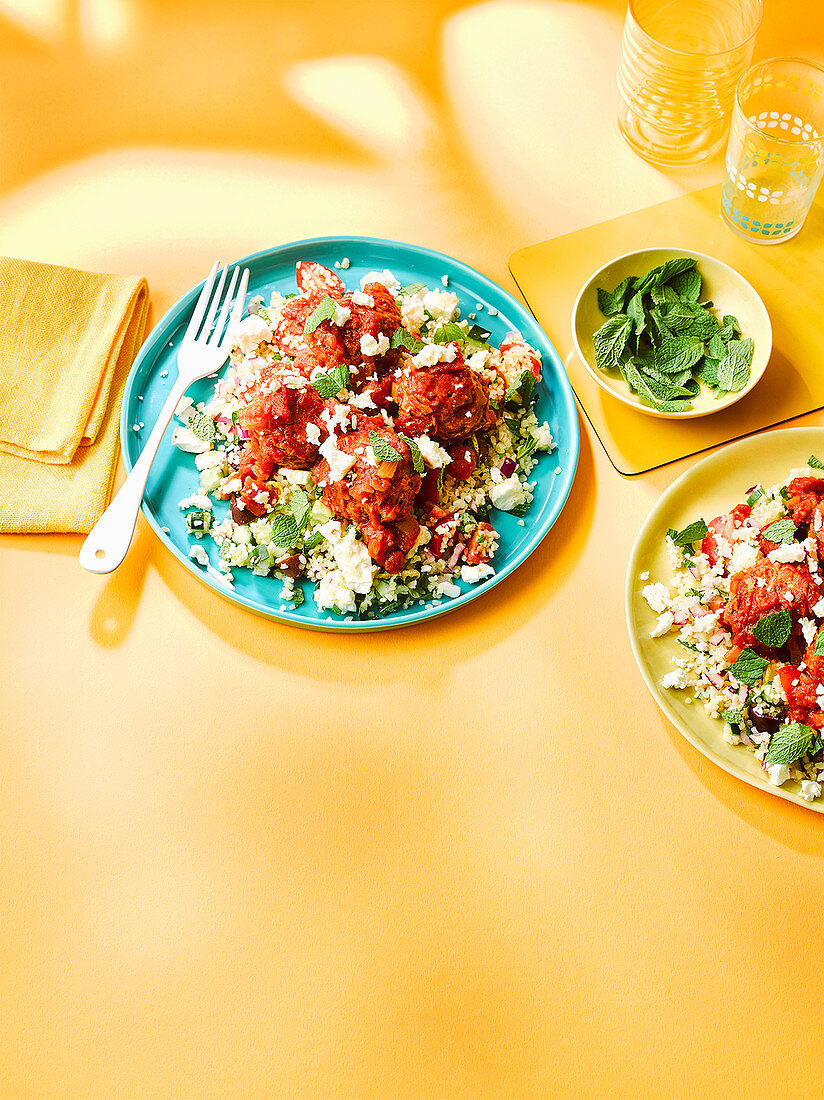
107	544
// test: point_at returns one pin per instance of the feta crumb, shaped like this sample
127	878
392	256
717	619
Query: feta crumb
657	596
250	333
185	440
370	346
341	315
788	551
430	354
809	630
339	463
432	453
345	262
447	588
197	500
198	554
333	591
810	790
441	305
818	609
645	575
507	493
385	278
743	556
359	298
676	679
778	774
312	433
665	621
471	574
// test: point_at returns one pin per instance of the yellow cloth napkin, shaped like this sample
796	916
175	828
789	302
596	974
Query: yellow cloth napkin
67	340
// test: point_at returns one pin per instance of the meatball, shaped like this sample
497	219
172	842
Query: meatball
277	418
804	496
376	496
447	401
324	347
764	588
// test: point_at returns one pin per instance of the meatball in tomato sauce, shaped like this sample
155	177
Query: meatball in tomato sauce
447	401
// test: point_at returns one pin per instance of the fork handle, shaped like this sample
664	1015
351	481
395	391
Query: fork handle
108	541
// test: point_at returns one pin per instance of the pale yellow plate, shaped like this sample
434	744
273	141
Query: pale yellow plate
729	293
708	489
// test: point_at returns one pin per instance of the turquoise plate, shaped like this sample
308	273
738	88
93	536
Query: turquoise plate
174	476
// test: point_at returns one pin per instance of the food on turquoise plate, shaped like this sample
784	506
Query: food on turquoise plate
364	440
745	603
666	342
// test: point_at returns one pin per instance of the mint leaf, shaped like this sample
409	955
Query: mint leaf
818	648
323	311
678	318
636	313
658	331
789	743
610	302
716	348
706	371
734	368
202	426
663	295
403	339
691	533
687	284
782	531
449	333
300	506
774	629
610	341
298	596
522	388
704	326
674	267
331	383
733	717
414	453
748	667
384	451
284	532
728	321
677	354
816	463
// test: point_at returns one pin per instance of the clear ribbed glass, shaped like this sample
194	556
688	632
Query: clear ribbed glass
680	63
775	155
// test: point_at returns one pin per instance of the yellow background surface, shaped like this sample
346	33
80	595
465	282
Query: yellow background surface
464	859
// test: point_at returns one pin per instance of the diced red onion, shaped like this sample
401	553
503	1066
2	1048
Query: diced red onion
680	618
714	679
695	573
456	554
697	611
716	639
242	434
745	737
508	467
221	419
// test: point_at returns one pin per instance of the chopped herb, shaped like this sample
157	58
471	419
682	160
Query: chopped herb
748	667
284	532
298	596
522	389
384	451
816	463
818	648
782	531
202	426
403	339
789	743
691	533
414	453
323	311
330	384
755	496
774	629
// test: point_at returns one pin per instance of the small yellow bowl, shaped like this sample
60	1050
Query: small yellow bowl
724	287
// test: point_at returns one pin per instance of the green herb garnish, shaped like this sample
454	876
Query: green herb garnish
323	311
748	667
690	535
774	629
331	383
789	743
782	531
384	451
202	426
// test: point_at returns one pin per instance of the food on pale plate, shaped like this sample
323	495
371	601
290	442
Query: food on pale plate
666	341
365	440
745	603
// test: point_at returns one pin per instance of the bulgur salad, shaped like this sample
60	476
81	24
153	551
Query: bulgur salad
363	440
746	605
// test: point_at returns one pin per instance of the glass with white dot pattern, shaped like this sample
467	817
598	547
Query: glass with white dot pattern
775	154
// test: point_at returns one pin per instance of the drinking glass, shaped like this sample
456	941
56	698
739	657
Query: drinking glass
680	63
775	155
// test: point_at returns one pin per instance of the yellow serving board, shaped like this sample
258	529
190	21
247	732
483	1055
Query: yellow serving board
789	277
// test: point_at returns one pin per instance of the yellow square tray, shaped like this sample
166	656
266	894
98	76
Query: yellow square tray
789	277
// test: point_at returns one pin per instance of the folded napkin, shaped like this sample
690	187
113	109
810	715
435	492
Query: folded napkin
67	340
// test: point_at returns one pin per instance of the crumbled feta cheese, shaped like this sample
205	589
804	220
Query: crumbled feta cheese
471	574
543	437
430	354
207	459
818	609
341	315
657	596
362	401
295	477
788	551
339	463
197	500
507	494
705	624
479	359
645	575
185	440
345	262
678	679
665	620
232	486
250	333
809	630
743	556
359	298
445	280
810	790
198	554
413	312
447	588
432	453
385	278
778	774
370	346
441	305
312	433
351	556
333	591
